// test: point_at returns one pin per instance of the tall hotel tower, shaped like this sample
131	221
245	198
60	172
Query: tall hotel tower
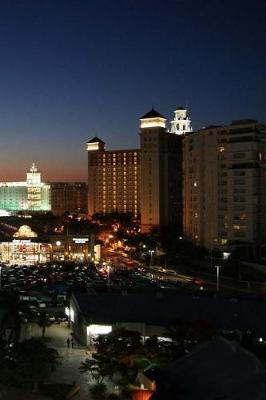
225	184
113	179
161	173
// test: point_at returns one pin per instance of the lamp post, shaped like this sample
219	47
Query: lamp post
217	276
108	275
151	253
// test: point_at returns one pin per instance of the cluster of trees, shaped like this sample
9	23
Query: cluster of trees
22	363
25	364
122	353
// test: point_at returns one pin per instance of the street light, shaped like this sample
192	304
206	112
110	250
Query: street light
217	276
108	275
151	253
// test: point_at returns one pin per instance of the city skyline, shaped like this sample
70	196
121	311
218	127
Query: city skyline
72	72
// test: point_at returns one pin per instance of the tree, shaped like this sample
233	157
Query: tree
100	367
99	391
14	312
115	358
122	345
190	332
27	363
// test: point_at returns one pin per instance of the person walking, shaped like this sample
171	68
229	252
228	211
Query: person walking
72	343
68	342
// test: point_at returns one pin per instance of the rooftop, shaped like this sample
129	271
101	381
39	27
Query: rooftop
96	140
162	310
152	114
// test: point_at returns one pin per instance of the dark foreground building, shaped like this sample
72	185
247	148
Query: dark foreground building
151	314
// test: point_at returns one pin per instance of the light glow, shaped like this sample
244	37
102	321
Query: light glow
72	314
99	329
153	122
92	146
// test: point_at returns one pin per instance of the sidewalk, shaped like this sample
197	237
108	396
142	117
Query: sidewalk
68	371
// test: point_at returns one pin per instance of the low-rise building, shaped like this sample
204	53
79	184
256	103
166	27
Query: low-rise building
151	314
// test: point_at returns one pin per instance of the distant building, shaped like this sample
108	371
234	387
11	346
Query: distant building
161	173
69	197
113	179
225	184
32	195
181	123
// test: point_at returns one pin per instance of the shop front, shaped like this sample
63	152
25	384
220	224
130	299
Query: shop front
25	248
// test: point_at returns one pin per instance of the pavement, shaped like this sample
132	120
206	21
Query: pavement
71	358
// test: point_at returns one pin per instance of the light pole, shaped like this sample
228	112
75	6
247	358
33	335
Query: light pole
217	276
108	275
151	253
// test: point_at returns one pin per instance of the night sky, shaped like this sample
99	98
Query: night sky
73	69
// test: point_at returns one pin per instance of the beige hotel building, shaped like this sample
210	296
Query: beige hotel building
145	181
113	179
224	184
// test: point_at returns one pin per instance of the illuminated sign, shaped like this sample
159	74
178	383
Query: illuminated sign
16	241
80	240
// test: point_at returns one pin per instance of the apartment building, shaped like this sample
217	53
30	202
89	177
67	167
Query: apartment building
224	184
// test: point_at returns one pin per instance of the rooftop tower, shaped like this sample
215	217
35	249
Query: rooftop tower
181	123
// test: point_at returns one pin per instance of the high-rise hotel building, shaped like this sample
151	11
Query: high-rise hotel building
145	181
224	184
113	179
31	195
161	173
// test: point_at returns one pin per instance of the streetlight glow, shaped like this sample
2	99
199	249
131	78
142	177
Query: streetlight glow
217	276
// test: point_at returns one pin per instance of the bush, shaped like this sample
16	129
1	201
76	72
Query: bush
98	391
113	396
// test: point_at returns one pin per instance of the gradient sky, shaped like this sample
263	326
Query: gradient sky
73	69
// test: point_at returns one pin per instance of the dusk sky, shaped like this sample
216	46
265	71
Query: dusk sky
73	69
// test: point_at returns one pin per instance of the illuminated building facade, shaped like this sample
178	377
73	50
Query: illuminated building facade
77	248
181	123
25	249
32	195
71	197
113	179
225	184
161	173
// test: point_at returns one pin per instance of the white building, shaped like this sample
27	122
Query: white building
181	123
31	195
